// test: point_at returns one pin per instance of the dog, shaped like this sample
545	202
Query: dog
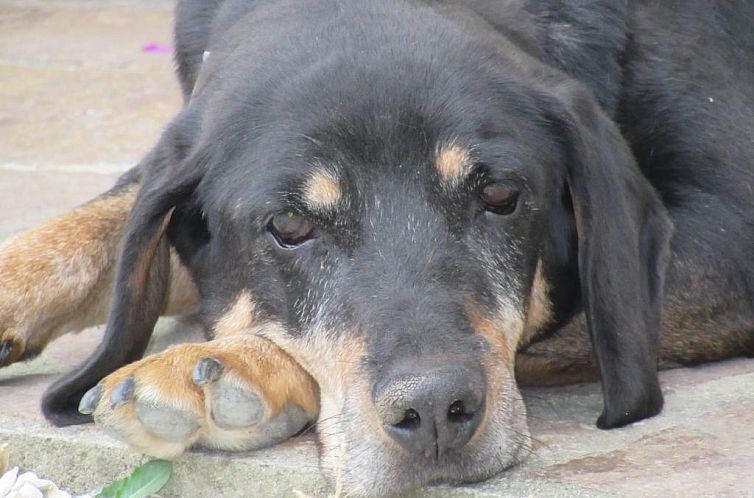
388	214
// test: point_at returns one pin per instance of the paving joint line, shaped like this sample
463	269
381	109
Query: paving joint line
92	168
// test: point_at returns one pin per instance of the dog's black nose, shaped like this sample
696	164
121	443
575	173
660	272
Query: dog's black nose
431	412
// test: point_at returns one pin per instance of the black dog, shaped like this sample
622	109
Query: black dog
377	204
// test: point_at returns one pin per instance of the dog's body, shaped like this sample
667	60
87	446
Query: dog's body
377	205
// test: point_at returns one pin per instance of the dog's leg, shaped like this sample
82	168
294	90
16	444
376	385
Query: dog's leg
57	278
234	393
696	328
565	357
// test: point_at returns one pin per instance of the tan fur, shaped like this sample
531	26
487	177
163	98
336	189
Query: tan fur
240	323
453	163
183	295
322	190
341	383
702	330
563	358
239	317
138	278
502	332
332	359
539	312
58	277
47	274
690	334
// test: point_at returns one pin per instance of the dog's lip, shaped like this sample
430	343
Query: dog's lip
407	471
445	471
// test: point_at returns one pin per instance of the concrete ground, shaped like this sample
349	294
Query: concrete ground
81	100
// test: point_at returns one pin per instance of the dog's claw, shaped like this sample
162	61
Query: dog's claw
5	349
123	393
206	371
90	400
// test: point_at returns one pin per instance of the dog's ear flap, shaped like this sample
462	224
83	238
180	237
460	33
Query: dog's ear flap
623	244
142	277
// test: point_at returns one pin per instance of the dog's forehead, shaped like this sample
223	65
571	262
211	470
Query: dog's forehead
345	183
339	155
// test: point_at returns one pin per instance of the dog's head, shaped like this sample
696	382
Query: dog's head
401	205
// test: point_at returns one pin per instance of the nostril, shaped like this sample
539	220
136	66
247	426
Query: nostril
411	420
458	413
431	413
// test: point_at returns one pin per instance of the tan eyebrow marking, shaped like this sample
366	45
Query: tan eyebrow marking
453	163
322	190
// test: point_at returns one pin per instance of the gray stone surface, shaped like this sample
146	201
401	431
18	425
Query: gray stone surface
76	86
80	102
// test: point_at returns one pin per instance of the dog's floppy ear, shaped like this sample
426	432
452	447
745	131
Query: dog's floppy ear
623	244
142	278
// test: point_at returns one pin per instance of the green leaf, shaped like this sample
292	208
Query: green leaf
144	481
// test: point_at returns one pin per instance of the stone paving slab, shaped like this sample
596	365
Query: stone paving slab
75	84
30	196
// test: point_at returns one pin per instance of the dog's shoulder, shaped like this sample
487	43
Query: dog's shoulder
586	40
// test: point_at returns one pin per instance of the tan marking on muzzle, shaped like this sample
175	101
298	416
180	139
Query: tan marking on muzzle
453	163
240	317
502	330
539	313
322	190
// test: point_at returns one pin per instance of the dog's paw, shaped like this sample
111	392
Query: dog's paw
16	284
232	394
51	283
22	337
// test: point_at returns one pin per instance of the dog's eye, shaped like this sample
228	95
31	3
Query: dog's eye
290	229
499	199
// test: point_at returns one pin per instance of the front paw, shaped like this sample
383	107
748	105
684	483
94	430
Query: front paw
234	395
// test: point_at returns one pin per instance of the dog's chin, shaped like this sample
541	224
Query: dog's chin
359	459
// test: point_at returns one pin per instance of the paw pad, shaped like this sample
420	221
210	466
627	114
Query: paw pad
234	407
165	422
